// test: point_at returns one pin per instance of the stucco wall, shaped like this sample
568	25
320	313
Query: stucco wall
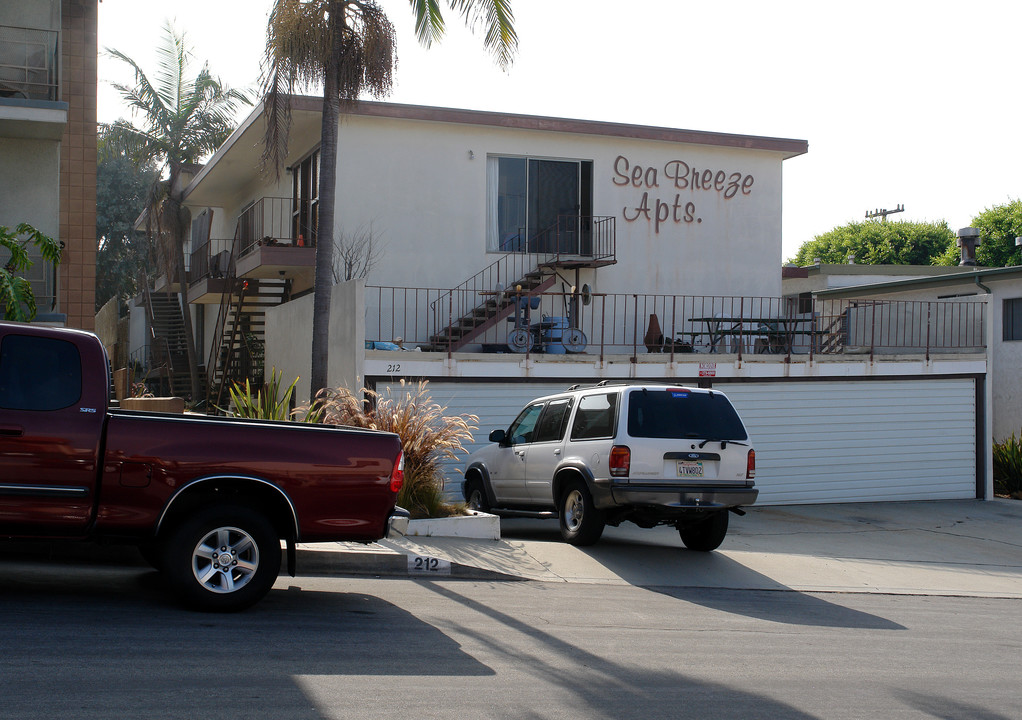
289	339
30	197
424	194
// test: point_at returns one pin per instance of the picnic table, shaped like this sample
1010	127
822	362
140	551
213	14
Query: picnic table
777	333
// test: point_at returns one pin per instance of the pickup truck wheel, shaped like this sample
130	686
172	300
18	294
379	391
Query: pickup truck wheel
581	522
475	496
223	559
706	534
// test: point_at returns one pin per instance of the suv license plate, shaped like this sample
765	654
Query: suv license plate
690	468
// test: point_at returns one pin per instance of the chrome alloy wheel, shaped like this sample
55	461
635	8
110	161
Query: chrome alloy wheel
225	560
574	510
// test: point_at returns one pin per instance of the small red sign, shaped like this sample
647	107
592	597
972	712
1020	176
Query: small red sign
707	369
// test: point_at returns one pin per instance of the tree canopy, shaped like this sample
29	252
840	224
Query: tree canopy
875	242
122	192
998	227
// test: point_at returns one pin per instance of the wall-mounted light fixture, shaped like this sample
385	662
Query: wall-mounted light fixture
471	155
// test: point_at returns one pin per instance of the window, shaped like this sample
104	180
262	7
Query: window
554	421
595	417
1012	319
305	200
39	373
678	414
523	428
539	206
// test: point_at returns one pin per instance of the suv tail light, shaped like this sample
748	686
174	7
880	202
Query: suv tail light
397	475
620	461
750	468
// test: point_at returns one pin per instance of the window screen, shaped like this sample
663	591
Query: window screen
1012	319
39	373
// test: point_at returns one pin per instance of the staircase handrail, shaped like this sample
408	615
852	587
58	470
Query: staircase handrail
226	300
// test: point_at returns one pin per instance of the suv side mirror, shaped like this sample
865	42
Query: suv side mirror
497	436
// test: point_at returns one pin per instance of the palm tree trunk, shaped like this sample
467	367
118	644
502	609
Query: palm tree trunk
327	192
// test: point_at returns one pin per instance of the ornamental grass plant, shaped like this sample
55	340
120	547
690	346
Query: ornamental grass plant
1008	467
428	437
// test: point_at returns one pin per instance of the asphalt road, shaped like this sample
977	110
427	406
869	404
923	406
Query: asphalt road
97	642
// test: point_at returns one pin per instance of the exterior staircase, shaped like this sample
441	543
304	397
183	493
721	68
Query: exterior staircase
460	321
239	337
168	351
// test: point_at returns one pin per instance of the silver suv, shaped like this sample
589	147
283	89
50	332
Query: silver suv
601	454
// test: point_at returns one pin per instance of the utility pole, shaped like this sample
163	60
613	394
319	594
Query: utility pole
883	213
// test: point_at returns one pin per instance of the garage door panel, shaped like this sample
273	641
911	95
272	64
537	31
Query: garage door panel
861	441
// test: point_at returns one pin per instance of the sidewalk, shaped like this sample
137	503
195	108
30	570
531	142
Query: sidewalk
956	548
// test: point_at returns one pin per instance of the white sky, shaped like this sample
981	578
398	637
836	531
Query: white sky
902	101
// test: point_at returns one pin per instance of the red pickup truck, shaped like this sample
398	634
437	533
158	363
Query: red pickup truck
207	500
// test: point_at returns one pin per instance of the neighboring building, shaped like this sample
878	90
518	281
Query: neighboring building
48	144
1000	289
519	255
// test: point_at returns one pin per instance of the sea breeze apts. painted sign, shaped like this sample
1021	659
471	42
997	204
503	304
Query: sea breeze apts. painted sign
670	193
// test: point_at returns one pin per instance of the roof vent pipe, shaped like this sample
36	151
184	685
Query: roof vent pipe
968	241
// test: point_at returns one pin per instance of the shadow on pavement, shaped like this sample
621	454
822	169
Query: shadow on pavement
710	579
111	643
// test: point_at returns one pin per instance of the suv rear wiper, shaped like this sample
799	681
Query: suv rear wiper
723	443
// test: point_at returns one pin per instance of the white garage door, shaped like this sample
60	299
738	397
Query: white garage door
861	441
816	442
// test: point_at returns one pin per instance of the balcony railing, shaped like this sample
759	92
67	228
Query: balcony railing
211	260
277	221
28	63
635	324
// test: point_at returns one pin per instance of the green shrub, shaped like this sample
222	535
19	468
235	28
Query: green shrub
427	438
267	403
1008	466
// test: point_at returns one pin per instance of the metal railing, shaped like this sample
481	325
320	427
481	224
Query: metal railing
28	63
592	238
276	221
638	324
210	260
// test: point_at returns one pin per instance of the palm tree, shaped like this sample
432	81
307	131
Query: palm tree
182	119
348	45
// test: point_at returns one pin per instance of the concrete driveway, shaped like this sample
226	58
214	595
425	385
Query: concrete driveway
968	548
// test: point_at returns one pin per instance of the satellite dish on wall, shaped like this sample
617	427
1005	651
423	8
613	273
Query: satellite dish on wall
587	294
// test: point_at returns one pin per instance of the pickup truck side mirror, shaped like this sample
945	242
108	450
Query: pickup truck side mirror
497	436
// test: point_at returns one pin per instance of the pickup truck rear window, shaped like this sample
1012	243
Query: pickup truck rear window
39	373
682	414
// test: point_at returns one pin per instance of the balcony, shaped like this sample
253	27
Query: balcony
29	84
599	325
277	238
270	243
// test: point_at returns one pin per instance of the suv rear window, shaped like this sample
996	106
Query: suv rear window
683	414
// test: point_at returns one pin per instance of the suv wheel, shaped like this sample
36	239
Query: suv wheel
581	522
706	534
475	497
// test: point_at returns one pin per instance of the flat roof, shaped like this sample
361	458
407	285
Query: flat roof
963	276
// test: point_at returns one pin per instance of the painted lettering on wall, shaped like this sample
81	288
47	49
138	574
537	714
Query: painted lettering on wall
661	207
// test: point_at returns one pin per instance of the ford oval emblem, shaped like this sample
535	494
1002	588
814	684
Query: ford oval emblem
694	456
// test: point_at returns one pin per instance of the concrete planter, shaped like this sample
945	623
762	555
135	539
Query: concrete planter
476	525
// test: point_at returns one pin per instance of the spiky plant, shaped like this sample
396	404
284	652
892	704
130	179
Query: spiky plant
1008	466
427	437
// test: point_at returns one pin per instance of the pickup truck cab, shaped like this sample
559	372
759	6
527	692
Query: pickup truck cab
209	501
650	454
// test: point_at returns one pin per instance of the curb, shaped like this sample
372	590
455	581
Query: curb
338	559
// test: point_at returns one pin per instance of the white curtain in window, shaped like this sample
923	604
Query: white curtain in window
492	189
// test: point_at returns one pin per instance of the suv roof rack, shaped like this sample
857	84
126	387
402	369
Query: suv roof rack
602	383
